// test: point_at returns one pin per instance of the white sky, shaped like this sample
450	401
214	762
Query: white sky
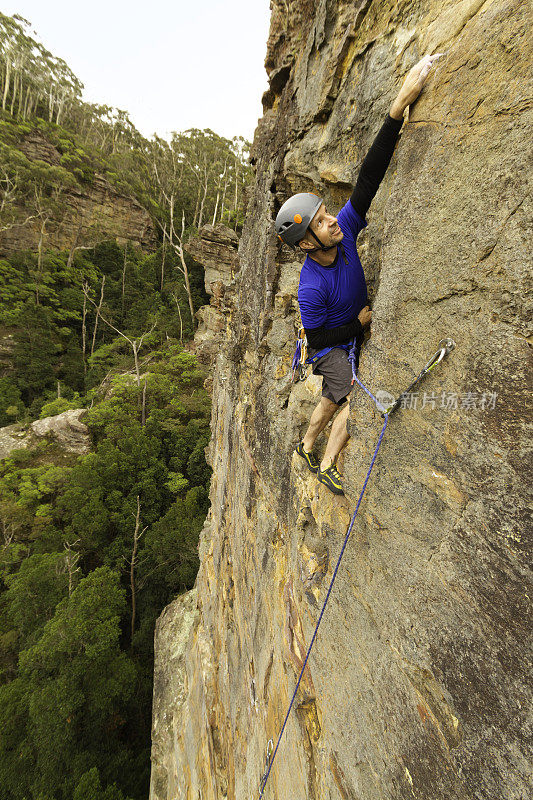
172	64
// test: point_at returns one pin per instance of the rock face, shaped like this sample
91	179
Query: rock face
215	248
171	680
417	684
100	211
12	437
66	429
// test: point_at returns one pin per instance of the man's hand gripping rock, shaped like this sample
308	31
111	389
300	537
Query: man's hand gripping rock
412	85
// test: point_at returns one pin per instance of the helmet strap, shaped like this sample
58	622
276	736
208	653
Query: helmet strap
321	246
324	248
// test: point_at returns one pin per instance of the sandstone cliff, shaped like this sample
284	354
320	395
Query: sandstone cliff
416	687
215	248
92	212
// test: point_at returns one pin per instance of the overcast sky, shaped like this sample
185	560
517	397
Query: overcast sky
172	64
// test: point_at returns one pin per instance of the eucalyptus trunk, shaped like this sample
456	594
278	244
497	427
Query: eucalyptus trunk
84	333
98	314
6	84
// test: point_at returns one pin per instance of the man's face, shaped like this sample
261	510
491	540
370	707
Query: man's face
326	227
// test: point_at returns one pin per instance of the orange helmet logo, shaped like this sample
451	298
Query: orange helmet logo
297	218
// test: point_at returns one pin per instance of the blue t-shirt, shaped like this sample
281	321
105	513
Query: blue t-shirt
334	295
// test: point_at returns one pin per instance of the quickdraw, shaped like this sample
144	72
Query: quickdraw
269	749
445	347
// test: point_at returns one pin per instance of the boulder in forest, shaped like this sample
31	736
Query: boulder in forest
66	429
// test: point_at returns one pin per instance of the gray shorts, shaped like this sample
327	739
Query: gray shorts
336	373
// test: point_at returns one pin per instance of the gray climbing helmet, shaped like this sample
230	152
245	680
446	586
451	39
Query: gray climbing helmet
295	215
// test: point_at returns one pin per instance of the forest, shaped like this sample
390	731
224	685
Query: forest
94	546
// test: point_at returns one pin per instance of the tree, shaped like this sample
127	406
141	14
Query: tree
31	75
90	788
135	344
30	191
34	354
77	678
34	592
137	534
75	703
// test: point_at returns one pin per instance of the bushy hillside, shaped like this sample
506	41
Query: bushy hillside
94	546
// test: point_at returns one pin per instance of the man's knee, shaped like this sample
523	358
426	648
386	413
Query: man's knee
328	405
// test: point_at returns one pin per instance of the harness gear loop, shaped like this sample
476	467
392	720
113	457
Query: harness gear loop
445	347
299	359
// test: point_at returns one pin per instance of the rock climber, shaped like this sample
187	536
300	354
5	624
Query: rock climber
332	292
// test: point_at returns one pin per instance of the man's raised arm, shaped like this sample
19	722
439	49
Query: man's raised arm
378	157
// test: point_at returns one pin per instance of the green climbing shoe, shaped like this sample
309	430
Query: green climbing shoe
309	458
331	478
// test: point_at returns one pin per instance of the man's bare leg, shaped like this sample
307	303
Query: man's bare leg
337	438
319	419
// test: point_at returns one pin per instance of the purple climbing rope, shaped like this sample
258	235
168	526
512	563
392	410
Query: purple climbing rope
351	356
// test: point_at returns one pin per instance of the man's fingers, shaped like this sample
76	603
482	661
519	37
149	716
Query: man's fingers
428	60
435	57
425	65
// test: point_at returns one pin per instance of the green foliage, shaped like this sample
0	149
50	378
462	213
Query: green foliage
33	485
43	293
34	184
59	405
47	338
16	752
77	680
15	292
33	593
34	355
105	358
90	788
176	483
76	684
73	686
206	175
11	406
171	547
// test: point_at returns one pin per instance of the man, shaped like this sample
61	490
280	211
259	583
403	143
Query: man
332	294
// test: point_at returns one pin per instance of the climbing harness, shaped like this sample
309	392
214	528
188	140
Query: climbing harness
325	350
300	359
445	347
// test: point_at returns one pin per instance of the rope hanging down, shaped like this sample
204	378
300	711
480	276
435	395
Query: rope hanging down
445	347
